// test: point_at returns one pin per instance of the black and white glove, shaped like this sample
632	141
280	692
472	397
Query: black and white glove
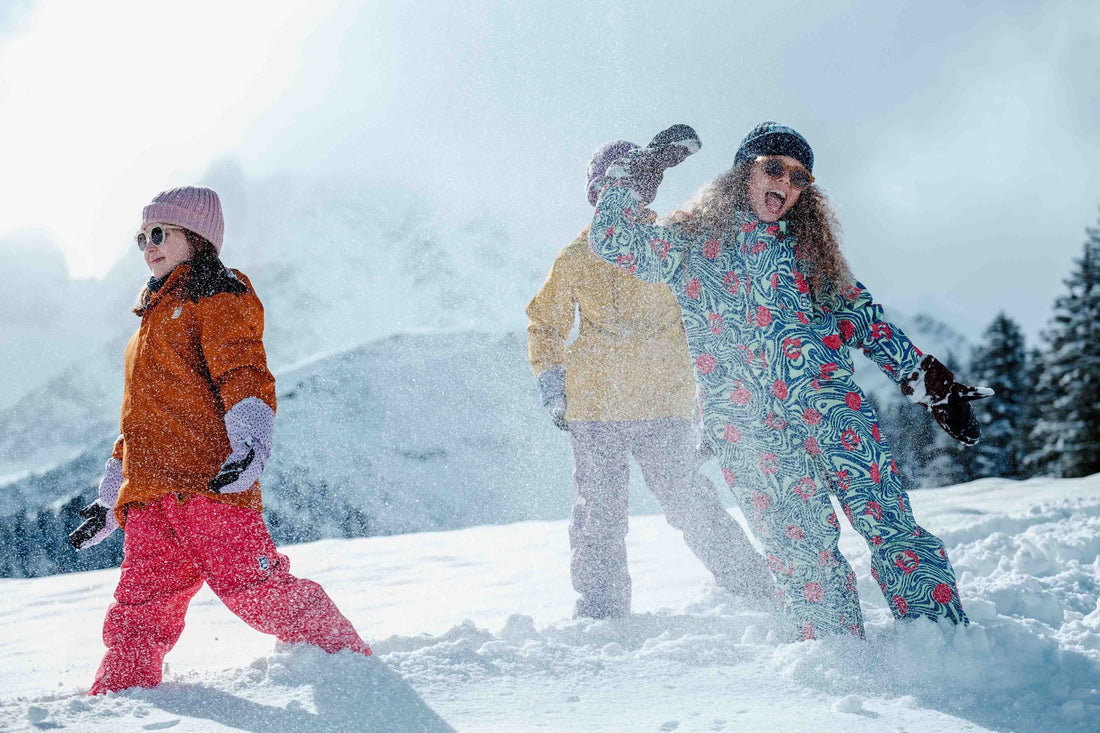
933	386
99	516
552	388
249	425
644	169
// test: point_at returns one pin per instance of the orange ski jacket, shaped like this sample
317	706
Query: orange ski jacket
188	363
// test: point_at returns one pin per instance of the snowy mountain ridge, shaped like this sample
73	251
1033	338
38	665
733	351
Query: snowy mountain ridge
58	419
336	263
410	432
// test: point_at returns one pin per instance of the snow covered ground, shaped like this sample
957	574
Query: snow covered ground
476	622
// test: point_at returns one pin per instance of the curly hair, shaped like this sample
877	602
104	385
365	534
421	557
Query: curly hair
812	220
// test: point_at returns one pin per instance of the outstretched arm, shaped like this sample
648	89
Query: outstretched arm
922	378
863	326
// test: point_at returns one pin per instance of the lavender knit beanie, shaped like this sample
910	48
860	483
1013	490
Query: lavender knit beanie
191	207
602	159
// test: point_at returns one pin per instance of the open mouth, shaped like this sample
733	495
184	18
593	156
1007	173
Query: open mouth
773	201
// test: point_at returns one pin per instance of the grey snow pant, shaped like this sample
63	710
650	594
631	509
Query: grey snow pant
665	451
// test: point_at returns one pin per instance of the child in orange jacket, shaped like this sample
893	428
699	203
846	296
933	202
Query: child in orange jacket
198	412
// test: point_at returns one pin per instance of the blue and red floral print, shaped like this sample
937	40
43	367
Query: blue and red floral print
786	418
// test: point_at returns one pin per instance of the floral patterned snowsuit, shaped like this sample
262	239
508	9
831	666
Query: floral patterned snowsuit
784	414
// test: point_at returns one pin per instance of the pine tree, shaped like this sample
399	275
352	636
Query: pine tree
1000	362
1068	432
1033	410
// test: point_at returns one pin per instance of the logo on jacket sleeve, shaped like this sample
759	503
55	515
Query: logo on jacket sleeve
264	564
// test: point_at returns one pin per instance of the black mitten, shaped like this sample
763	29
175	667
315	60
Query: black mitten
99	516
673	145
99	521
933	386
644	168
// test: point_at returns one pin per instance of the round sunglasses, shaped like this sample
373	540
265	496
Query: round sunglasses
775	168
153	236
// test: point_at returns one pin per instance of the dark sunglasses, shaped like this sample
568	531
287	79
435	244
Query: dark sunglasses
153	236
775	168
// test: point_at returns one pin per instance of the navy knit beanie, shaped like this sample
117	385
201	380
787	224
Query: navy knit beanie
772	138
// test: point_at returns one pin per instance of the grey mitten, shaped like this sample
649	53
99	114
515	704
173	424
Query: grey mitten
249	425
552	388
99	516
933	387
643	169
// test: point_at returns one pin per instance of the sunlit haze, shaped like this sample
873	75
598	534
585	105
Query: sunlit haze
955	139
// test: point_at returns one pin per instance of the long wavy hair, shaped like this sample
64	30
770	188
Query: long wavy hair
812	221
209	275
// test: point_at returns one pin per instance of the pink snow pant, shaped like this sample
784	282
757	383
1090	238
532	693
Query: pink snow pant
172	546
665	451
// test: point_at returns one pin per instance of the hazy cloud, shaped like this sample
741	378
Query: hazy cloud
957	139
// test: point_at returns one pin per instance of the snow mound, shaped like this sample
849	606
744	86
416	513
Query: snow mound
476	627
998	672
297	688
1029	565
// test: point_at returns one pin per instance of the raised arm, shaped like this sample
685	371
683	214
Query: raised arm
622	234
622	231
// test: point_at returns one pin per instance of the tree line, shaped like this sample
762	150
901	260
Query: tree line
1045	419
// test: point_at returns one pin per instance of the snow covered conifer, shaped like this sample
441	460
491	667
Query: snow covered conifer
1033	410
1068	430
1000	362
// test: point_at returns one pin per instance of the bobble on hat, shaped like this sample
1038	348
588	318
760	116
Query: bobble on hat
602	159
191	207
772	138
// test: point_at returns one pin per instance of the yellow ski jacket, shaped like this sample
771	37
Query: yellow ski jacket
630	359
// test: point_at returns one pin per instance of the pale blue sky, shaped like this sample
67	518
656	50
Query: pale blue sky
959	140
